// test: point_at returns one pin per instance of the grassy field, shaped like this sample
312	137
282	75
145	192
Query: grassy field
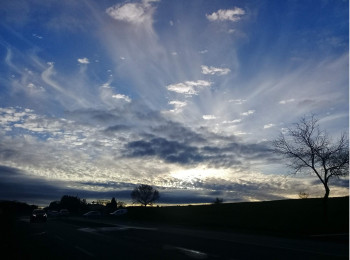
302	216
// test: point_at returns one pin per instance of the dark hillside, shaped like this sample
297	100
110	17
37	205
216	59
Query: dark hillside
302	216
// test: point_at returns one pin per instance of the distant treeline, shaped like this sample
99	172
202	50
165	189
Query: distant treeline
76	205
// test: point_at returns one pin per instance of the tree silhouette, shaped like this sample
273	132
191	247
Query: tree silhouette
121	204
311	150
144	194
112	206
218	201
72	203
54	205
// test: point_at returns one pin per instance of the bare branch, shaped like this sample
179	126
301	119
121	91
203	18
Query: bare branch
308	148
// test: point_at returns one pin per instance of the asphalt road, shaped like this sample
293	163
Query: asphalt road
74	238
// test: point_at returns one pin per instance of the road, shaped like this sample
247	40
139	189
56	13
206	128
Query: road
74	238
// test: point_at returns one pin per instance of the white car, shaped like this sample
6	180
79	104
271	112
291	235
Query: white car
92	214
119	212
64	212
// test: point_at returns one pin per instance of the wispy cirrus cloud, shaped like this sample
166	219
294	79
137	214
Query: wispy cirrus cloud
238	101
235	121
268	126
283	102
189	87
214	70
123	97
249	112
178	105
232	15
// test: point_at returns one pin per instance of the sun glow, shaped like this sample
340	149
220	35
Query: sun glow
200	173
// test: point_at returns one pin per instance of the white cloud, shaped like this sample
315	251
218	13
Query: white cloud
189	87
106	85
226	15
232	121
37	36
249	112
284	130
238	101
283	102
135	13
213	70
240	133
268	126
148	2
46	77
209	117
178	105
121	96
26	119
74	99
84	61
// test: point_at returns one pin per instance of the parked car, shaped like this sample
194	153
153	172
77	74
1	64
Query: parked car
119	212
38	215
53	213
92	214
64	212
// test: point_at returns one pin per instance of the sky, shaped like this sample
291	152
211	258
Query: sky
97	97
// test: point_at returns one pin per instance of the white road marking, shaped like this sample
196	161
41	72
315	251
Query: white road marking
114	228
188	252
39	234
139	228
84	251
89	230
59	238
24	219
330	235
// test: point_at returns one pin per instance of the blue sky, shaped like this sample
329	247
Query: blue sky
98	96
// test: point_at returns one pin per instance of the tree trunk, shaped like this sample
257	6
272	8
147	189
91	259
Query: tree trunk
326	195
325	203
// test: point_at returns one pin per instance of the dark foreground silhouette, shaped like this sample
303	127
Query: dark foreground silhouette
288	229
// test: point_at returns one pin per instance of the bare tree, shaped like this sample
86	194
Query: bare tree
218	201
303	195
144	194
311	150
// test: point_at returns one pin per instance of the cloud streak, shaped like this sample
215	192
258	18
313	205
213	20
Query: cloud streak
189	87
214	71
232	15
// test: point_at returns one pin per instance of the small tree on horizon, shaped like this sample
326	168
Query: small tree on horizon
311	150
121	204
144	194
218	201
303	195
112	206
